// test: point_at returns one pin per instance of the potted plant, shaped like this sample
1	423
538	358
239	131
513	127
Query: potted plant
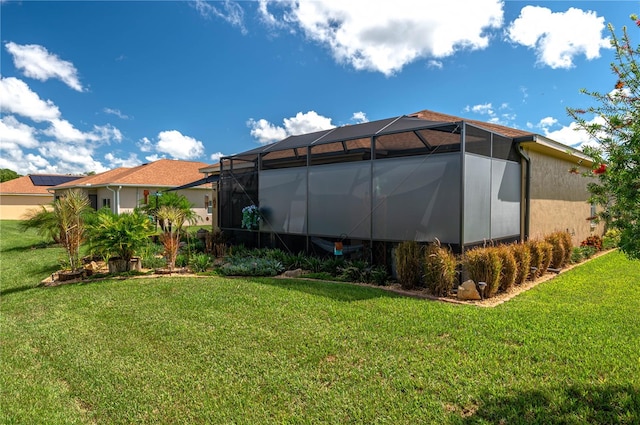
250	217
118	237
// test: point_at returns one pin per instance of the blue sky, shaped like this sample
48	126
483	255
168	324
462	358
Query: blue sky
90	86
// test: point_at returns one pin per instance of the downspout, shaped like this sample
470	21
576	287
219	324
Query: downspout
116	200
527	191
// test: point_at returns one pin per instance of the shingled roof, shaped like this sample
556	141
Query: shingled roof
160	173
496	128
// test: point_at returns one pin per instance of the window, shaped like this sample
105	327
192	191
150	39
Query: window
106	202
208	204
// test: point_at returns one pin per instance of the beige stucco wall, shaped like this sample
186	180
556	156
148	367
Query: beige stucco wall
559	199
14	207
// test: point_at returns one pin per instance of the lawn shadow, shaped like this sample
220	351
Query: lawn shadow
335	290
30	247
602	404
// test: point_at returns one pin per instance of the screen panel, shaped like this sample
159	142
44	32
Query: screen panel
417	198
505	199
283	200
340	200
477	198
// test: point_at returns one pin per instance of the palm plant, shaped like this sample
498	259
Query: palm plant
113	235
64	223
171	220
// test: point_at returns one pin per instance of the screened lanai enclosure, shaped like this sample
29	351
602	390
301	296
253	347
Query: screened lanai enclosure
375	184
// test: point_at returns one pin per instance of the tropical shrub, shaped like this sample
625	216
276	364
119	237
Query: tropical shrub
251	266
484	265
522	255
64	223
439	269
182	260
611	239
594	241
509	269
200	262
171	219
409	261
118	235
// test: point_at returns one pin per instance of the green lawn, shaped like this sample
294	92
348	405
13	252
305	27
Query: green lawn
259	351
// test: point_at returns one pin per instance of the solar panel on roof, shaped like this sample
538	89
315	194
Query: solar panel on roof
47	180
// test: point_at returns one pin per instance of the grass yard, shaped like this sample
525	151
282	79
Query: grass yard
257	351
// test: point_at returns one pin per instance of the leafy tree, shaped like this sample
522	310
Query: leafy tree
616	131
7	174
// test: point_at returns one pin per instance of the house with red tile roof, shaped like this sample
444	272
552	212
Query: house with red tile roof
123	189
20	195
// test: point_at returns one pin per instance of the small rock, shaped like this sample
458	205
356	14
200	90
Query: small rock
468	291
292	273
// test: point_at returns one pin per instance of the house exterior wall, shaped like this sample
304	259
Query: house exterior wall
559	199
14	207
133	196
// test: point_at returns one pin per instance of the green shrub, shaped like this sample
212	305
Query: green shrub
611	239
409	264
333	265
251	266
154	262
200	262
355	271
484	265
294	261
313	264
567	242
182	260
522	256
509	267
379	275
439	270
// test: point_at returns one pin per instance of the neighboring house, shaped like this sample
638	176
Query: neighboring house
20	195
421	177
122	189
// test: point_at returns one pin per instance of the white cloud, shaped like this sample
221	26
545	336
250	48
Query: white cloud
17	98
302	123
145	145
227	10
179	146
547	122
215	157
114	162
386	37
36	62
152	158
63	131
482	109
559	37
572	135
435	64
359	117
115	112
56	145
15	132
266	132
500	115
